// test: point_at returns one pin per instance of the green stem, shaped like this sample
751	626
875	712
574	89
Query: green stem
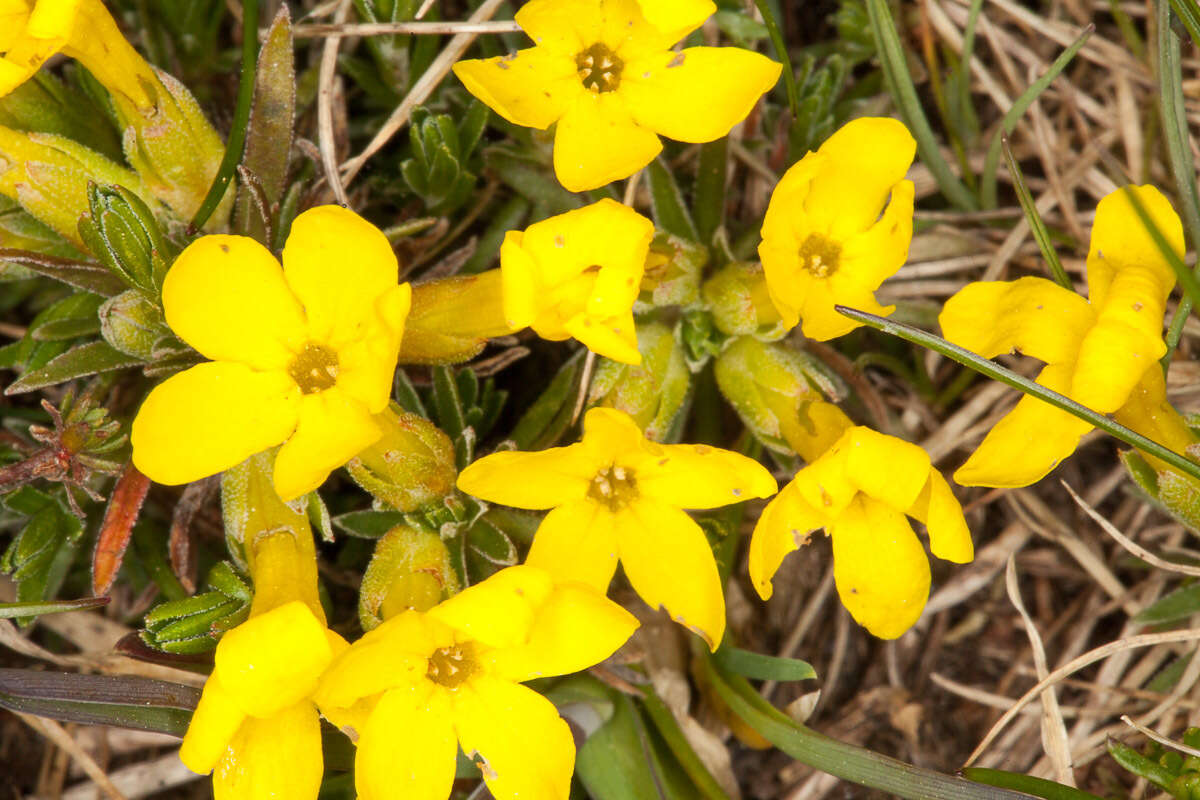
1036	225
999	373
672	734
1038	787
241	117
789	75
846	761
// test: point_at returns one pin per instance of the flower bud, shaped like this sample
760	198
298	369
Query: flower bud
672	274
410	466
774	389
194	624
122	232
50	177
134	324
451	319
654	392
740	304
410	569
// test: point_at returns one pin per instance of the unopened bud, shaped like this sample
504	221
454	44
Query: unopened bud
740	304
410	569
654	392
774	389
134	324
672	273
412	464
122	232
451	319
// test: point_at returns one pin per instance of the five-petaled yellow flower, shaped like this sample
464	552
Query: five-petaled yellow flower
1096	350
611	82
577	275
824	240
859	491
256	727
421	683
302	354
618	496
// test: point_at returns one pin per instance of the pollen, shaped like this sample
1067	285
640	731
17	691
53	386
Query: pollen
599	68
615	488
820	255
452	666
315	369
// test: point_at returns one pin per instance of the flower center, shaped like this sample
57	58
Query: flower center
315	369
452	666
820	254
614	488
599	68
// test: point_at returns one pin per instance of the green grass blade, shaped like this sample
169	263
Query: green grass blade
789	75
1038	787
1189	14
991	164
1036	226
996	372
904	94
36	609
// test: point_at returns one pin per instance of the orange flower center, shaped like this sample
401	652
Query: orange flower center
452	666
315	369
820	255
599	68
614	488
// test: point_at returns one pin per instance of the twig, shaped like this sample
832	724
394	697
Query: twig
420	91
325	110
393	28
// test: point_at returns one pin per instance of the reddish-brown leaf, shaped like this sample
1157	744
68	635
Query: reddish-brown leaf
123	508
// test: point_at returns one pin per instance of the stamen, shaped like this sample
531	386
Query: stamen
599	68
452	666
315	369
820	255
614	488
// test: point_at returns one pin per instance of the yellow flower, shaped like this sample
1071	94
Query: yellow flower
618	496
610	81
302	355
859	491
256	727
577	275
1096	350
824	240
421	683
34	30
676	18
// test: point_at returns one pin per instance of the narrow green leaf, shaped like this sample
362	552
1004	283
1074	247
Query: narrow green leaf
29	610
1038	787
119	700
1179	604
789	74
1139	765
368	524
79	274
86	359
904	94
548	417
1189	14
667	204
710	189
668	728
1036	226
999	373
763	667
991	164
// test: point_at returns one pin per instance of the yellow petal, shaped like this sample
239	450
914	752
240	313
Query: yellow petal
614	338
880	568
1115	354
499	610
821	322
576	542
561	26
608	434
394	654
408	747
1028	442
784	525
338	265
333	428
531	87
522	746
367	367
598	142
214	723
226	297
272	661
677	18
575	628
938	508
697	94
667	558
542	479
884	467
863	162
1121	241
699	476
519	278
871	257
273	758
1033	316
209	418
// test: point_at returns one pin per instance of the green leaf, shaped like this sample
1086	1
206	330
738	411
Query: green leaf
1139	765
763	667
86	359
548	417
1179	604
710	189
118	700
1038	787
368	524
1036	226
667	204
37	609
668	728
269	131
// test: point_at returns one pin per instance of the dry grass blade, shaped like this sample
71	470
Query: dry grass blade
393	28
325	133
59	736
1158	737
